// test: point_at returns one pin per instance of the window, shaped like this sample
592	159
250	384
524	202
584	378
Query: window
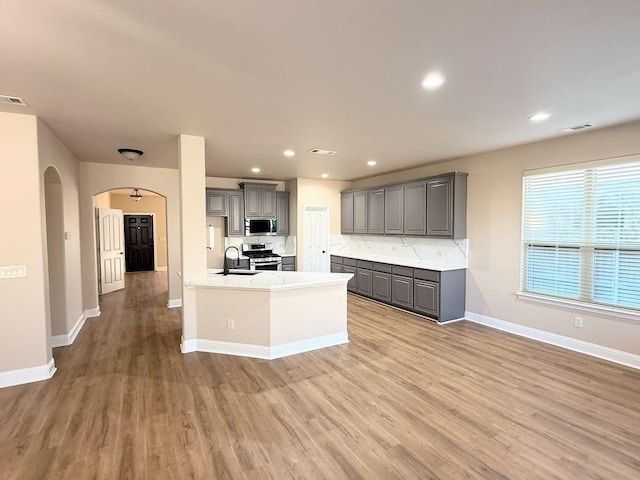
581	235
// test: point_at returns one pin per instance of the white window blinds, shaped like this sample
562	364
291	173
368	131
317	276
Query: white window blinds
581	235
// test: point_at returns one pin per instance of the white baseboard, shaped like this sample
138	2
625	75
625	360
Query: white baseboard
174	303
27	375
161	269
593	349
66	339
262	351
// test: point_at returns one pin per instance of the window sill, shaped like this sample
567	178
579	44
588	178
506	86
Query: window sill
583	306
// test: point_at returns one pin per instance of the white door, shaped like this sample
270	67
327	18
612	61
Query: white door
316	238
111	249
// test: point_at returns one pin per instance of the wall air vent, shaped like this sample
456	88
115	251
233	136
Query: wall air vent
576	128
320	151
9	100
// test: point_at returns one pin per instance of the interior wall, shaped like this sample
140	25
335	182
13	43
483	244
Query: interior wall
317	192
233	183
23	328
147	204
494	206
102	200
53	153
96	178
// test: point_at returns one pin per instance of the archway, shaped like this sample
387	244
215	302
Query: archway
54	218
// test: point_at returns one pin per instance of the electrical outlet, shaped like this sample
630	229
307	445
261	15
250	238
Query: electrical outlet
577	322
231	325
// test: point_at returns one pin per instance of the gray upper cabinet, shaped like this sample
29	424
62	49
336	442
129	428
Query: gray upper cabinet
375	218
217	202
447	206
282	213
394	210
235	221
259	200
360	212
346	213
415	209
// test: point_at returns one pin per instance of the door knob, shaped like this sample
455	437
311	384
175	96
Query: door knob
323	251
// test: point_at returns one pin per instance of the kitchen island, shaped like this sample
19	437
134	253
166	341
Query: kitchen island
270	314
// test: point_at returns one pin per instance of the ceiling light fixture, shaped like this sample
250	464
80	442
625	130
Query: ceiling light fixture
136	195
433	81
130	154
288	153
255	170
372	163
539	117
325	175
321	151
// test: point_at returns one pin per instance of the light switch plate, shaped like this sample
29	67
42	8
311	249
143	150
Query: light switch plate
13	271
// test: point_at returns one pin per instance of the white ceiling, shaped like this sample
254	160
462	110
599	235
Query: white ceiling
255	77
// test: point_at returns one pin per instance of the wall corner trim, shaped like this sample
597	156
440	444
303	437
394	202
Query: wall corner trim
593	349
174	303
27	375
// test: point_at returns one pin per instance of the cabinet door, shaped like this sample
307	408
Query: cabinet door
252	201
269	209
415	208
376	211
217	203
426	298
393	210
360	212
363	281
351	284
337	268
282	212
440	207
235	222
346	213
402	291
381	286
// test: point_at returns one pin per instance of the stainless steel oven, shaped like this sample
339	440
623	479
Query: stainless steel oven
265	264
261	256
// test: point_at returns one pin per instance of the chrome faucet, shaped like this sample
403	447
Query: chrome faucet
225	269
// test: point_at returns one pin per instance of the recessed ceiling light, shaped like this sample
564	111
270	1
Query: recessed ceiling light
255	170
539	117
372	163
288	153
325	175
432	81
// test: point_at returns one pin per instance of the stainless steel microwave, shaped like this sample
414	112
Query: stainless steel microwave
260	227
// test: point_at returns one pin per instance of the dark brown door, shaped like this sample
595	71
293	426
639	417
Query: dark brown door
138	240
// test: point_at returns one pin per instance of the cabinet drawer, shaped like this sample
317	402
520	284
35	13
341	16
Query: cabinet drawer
404	271
352	262
336	259
382	267
365	264
430	275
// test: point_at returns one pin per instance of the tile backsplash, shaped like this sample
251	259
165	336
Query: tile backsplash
436	250
281	244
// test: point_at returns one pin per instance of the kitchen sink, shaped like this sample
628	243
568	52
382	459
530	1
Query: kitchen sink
240	272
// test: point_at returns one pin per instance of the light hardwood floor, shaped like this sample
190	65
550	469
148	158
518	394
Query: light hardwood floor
404	399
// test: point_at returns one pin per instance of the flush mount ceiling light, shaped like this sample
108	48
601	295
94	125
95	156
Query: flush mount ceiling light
130	154
433	81
372	163
136	195
288	153
320	151
255	170
539	117
576	128
325	175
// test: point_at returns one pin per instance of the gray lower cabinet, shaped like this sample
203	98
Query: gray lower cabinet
282	213
288	264
375	211
337	268
346	213
425	297
364	277
402	291
394	210
360	204
351	284
235	219
415	208
217	202
382	286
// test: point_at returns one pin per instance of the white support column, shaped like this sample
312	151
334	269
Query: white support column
192	228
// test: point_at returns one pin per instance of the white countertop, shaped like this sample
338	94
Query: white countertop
286	254
405	262
269	280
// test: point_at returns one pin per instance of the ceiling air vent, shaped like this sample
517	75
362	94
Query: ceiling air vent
577	127
320	151
9	100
